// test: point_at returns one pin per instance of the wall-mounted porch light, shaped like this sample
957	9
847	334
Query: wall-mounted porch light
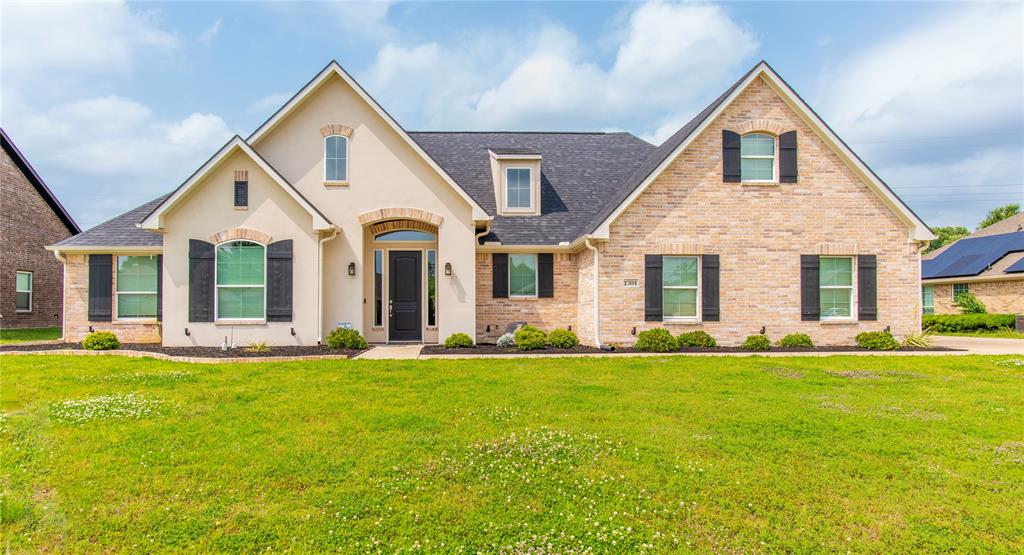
351	268
447	268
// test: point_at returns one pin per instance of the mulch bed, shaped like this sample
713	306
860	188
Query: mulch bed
199	352
490	349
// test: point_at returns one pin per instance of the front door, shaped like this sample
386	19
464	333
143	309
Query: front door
405	321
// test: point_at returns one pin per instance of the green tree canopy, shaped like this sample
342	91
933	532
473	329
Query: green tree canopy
999	214
946	235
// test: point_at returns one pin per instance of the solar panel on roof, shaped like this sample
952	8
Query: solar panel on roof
970	257
1017	266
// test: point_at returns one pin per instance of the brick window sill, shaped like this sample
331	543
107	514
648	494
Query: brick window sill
682	322
760	183
232	323
839	322
335	183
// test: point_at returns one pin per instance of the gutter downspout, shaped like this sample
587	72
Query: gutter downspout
320	285
597	296
487	229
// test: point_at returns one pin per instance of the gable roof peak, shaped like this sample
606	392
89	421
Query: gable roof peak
37	182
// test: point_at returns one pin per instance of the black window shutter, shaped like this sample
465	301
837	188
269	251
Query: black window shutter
652	288
709	288
499	275
867	287
159	287
810	282
201	260
279	281
545	275
101	283
787	157
241	193
730	156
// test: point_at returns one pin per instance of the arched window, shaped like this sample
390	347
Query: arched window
241	281
757	157
406	235
336	158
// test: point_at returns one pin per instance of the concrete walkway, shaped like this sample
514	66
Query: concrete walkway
981	345
391	352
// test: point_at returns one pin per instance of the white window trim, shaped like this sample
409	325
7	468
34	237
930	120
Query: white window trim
31	285
526	209
952	290
852	287
696	317
216	286
774	157
536	277
117	294
347	161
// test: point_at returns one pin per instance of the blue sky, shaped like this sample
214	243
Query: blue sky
118	103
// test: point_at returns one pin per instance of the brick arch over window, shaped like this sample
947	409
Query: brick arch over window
241	233
761	125
385	214
336	129
396	225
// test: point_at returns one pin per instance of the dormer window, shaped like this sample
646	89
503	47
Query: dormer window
336	158
518	189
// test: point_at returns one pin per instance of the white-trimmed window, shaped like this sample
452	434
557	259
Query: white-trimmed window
928	299
522	275
836	287
680	282
431	288
378	287
960	289
23	291
757	157
136	286
336	158
518	188
241	278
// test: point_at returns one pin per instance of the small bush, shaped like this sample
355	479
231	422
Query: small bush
458	341
795	340
657	340
699	338
258	347
961	323
563	339
342	338
508	340
101	341
877	341
757	343
529	338
969	304
923	340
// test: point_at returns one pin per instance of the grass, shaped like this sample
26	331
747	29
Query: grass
28	334
620	455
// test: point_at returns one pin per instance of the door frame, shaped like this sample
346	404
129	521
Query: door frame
386	319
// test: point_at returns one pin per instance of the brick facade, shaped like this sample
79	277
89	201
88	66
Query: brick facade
999	297
547	314
76	304
27	225
759	232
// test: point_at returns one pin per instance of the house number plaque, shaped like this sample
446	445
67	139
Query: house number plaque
631	283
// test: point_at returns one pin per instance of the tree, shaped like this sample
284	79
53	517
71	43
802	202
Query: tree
946	235
999	214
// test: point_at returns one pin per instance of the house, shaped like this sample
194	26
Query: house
988	263
31	217
753	215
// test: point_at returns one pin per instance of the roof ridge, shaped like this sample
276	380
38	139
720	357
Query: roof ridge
524	132
37	182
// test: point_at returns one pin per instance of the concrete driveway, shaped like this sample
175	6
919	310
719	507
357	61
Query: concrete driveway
981	345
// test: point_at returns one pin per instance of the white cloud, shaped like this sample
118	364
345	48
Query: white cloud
268	103
210	33
363	18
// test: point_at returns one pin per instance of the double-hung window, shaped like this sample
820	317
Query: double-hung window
928	299
136	286
757	157
518	189
680	281
522	275
836	287
336	158
960	289
23	292
241	279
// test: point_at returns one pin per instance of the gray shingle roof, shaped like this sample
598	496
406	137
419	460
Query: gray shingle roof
120	231
580	173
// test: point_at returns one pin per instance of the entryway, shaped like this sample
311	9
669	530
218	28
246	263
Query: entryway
405	302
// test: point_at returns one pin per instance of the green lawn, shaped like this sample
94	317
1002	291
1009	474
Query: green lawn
862	454
28	334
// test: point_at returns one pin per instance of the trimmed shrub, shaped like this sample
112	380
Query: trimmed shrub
957	323
507	340
342	338
529	338
657	340
699	338
795	340
969	304
757	343
101	341
458	341
563	339
877	341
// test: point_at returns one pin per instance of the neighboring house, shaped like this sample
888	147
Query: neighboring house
988	263
31	218
755	214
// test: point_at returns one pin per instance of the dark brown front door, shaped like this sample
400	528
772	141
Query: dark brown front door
405	321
